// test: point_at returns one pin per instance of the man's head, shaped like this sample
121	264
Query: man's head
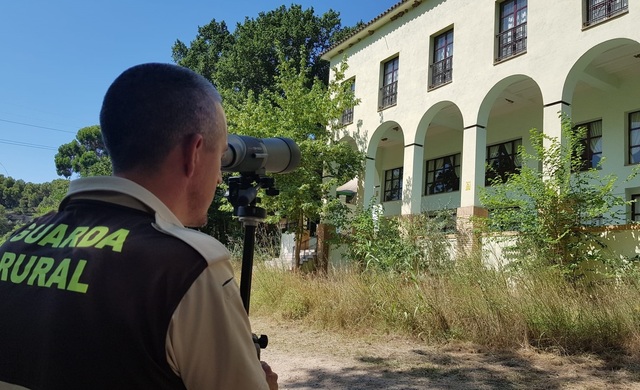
150	108
154	115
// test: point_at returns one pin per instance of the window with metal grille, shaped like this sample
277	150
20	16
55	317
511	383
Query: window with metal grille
443	174
503	161
347	115
634	137
442	67
390	83
592	145
512	38
635	208
600	10
393	184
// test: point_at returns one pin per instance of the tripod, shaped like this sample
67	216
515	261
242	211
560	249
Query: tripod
243	196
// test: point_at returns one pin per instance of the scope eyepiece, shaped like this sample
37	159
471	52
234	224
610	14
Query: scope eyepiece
247	154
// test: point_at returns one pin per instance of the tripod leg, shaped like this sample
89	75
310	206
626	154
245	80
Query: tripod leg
247	264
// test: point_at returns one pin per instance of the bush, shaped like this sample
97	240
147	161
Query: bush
551	207
405	244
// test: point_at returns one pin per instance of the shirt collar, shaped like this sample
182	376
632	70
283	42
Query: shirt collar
114	184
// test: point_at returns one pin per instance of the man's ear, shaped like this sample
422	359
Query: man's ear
191	149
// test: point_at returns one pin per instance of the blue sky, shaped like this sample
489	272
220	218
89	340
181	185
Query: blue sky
59	57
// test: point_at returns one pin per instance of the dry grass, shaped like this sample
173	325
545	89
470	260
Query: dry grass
469	304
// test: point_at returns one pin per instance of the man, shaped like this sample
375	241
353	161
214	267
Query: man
112	291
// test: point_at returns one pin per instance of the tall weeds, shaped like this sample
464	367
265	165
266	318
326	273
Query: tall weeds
469	303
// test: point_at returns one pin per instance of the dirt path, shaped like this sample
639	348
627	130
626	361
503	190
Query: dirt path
312	359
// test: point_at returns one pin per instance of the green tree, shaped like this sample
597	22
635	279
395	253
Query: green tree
32	195
305	111
205	50
552	207
247	60
19	202
54	192
85	155
5	223
10	192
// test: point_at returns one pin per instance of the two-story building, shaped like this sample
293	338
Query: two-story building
449	87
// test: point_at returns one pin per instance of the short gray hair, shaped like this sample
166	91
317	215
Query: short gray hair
150	108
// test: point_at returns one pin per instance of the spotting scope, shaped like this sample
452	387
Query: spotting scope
247	154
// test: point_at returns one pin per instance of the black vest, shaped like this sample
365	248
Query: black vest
86	297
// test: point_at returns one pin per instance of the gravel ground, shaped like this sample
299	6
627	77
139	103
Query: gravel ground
307	358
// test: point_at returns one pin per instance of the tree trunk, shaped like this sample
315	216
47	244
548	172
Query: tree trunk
324	234
298	240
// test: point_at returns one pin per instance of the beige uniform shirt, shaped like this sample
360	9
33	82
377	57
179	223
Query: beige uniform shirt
208	342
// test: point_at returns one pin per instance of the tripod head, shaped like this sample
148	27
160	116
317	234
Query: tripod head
243	196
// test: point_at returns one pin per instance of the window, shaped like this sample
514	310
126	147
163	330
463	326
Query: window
347	115
634	137
442	67
502	161
600	10
635	208
390	83
443	174
512	38
592	145
393	184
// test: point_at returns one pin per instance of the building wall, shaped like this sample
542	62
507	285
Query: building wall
565	68
621	243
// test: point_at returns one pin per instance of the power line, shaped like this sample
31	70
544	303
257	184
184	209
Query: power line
26	144
40	127
5	169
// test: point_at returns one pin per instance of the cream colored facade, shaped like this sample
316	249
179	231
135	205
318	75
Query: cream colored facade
588	72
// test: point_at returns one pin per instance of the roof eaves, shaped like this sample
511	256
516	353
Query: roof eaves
326	54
